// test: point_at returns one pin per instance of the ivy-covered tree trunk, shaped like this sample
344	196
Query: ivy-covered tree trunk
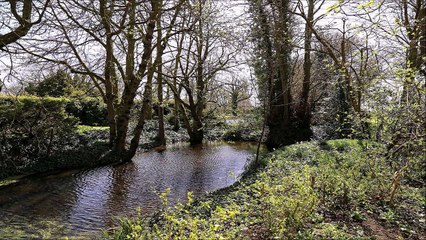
305	106
279	110
272	29
284	128
234	103
161	138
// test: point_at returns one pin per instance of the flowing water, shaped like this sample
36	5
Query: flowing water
80	203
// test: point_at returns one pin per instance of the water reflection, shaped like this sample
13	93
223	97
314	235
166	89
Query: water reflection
86	201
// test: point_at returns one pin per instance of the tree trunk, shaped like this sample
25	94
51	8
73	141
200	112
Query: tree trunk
280	132
147	98
130	90
422	57
305	108
196	135
110	90
413	58
283	54
176	114
234	103
343	110
161	138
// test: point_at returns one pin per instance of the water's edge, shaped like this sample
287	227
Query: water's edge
76	202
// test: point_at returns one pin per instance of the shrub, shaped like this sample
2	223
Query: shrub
32	128
242	131
291	198
54	85
90	111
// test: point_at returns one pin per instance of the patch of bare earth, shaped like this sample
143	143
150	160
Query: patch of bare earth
374	229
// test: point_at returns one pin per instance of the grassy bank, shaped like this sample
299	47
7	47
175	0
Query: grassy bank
334	190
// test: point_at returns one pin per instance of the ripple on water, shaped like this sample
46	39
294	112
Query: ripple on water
88	200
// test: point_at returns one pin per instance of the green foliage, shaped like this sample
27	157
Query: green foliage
242	131
89	110
32	128
280	201
357	215
342	145
283	200
7	182
330	231
352	173
43	229
54	85
86	129
389	216
62	84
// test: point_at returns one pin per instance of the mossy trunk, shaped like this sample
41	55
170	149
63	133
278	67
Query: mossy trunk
196	135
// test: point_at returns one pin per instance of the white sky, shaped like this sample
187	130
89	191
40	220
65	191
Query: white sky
235	10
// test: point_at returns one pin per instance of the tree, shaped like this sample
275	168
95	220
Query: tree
238	90
379	88
304	110
122	37
412	17
17	18
272	32
54	85
202	52
20	13
161	138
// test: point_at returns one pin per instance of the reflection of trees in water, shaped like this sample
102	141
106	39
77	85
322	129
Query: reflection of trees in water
199	170
181	170
119	198
32	206
39	196
93	199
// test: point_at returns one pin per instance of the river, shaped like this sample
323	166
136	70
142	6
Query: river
81	203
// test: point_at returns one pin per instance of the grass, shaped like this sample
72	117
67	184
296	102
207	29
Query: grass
332	190
7	182
84	128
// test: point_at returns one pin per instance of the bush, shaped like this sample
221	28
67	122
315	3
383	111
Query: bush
54	85
242	131
90	111
293	197
32	128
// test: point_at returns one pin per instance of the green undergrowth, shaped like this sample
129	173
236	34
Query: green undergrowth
7	182
85	129
305	191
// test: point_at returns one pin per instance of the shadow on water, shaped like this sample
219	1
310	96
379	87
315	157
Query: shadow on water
82	202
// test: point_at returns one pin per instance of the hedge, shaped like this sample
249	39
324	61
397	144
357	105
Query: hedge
89	110
32	128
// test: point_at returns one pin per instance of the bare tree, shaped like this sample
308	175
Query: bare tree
307	8
202	52
17	18
238	90
112	42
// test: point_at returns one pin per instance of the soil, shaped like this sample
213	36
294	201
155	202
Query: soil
379	232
